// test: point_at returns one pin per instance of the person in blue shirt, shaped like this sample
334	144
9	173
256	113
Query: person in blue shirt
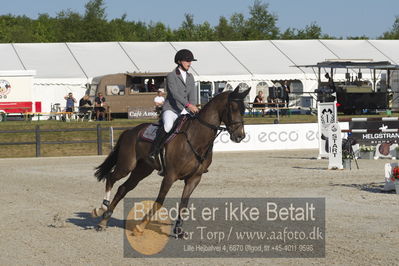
70	104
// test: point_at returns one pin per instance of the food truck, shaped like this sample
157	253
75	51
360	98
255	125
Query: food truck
129	94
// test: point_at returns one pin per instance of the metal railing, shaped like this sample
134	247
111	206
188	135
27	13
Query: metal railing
38	141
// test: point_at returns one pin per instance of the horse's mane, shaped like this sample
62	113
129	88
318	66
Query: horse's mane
221	97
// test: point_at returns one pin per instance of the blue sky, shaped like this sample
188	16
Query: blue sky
340	18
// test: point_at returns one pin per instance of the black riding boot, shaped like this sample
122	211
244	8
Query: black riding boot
156	145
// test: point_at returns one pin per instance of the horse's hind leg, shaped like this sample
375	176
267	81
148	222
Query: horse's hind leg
141	171
118	174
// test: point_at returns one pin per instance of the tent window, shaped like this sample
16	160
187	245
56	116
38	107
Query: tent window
262	86
244	86
219	86
205	92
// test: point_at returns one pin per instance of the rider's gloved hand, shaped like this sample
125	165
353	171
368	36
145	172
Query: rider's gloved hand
193	108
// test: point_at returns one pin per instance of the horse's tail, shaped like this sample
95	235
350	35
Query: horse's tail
104	170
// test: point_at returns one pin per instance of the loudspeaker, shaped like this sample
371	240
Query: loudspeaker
273	92
280	93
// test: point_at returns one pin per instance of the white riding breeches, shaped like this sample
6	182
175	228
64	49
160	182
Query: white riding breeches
169	117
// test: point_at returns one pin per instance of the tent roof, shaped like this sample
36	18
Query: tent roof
389	48
216	60
304	52
9	58
260	57
150	56
97	59
354	49
52	60
213	58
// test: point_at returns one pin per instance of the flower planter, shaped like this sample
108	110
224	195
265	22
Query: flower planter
367	155
397	186
347	164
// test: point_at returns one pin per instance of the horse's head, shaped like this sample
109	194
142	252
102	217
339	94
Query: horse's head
233	116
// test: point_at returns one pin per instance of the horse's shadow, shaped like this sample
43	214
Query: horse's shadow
85	221
369	187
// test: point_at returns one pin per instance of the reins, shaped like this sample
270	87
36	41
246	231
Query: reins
217	129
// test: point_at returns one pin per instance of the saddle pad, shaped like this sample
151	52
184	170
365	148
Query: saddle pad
150	132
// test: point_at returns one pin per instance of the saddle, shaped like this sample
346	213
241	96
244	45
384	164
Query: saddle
149	132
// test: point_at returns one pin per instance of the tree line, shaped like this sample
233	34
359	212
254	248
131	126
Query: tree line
69	26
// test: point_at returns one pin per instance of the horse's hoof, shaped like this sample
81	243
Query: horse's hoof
137	231
100	228
107	215
97	212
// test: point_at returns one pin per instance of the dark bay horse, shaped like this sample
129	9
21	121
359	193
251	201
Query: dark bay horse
187	155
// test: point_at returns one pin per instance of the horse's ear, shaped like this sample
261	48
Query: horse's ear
239	95
236	93
244	94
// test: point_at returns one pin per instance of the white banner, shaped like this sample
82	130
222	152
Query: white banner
271	137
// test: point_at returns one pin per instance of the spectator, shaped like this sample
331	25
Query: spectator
259	102
158	101
331	84
287	91
70	104
150	86
85	107
271	103
99	107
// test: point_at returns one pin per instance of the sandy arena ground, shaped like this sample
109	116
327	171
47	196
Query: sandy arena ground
46	203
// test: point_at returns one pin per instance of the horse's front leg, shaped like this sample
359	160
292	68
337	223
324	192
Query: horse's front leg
167	183
189	185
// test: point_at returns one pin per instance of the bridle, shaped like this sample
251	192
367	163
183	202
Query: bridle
217	129
230	121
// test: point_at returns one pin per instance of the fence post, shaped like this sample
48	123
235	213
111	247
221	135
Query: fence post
37	134
111	137
99	141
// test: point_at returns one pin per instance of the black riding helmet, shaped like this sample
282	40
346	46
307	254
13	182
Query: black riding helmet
184	55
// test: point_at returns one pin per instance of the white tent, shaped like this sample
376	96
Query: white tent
64	67
9	58
150	56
